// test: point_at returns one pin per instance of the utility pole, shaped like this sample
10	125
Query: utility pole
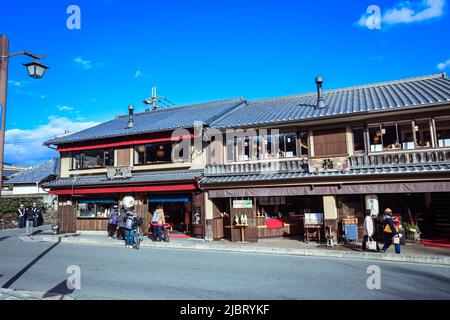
4	55
35	70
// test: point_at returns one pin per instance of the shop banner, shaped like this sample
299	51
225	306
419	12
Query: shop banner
242	204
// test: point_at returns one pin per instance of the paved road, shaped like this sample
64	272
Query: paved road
121	273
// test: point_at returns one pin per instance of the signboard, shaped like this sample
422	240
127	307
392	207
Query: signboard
119	173
242	204
313	218
329	164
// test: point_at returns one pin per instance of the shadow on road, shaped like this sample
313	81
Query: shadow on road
28	266
60	289
4	238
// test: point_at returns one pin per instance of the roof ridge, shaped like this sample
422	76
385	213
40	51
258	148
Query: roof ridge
180	107
352	88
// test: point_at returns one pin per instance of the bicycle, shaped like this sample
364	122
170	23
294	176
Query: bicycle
138	235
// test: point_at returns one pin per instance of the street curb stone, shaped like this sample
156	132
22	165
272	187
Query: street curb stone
211	246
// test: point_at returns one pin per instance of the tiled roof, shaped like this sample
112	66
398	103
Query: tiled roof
377	97
155	121
36	174
395	170
137	178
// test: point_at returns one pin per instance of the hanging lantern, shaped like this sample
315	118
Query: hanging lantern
160	152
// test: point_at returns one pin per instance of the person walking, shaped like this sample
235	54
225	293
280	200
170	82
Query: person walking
121	225
112	222
29	222
129	233
158	221
391	234
35	213
368	230
21	216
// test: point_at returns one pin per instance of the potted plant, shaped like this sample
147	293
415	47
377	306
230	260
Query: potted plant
55	228
412	231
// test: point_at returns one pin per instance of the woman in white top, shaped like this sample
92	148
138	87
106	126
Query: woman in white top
368	229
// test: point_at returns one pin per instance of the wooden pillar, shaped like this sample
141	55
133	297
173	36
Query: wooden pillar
330	215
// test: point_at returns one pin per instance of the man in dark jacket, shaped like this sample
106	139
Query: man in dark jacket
35	213
21	215
29	222
390	232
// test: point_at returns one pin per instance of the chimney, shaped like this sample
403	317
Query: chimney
320	101
130	116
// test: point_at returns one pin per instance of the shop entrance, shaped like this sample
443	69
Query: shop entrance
177	211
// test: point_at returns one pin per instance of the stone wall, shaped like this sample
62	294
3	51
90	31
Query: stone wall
8	214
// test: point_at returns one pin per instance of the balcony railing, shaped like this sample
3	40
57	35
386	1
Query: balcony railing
400	159
297	165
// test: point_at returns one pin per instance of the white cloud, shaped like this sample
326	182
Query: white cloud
24	147
444	65
85	64
141	74
16	84
409	12
64	108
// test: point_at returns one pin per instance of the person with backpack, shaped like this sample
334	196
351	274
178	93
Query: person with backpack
158	221
112	222
129	225
390	231
21	216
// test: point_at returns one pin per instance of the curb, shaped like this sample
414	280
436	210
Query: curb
421	259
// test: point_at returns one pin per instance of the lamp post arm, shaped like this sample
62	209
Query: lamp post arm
29	54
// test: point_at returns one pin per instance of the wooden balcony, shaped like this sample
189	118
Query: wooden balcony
400	158
262	167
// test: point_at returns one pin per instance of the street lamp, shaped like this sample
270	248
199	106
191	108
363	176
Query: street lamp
35	69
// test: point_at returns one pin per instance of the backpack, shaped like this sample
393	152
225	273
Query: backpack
129	222
156	217
113	219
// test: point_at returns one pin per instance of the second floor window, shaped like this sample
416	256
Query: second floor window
443	132
154	153
283	145
90	159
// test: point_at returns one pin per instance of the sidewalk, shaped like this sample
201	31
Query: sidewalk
412	252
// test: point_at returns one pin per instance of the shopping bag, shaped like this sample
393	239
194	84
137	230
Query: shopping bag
371	244
396	240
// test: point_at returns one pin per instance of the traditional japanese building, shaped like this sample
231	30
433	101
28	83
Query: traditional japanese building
132	155
335	153
327	155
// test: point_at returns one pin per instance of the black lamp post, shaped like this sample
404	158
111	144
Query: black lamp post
35	69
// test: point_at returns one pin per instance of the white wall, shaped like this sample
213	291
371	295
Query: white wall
27	189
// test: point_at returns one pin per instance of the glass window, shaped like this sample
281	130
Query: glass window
376	143
405	135
303	138
358	139
93	159
423	133
94	208
443	132
155	153
288	145
389	137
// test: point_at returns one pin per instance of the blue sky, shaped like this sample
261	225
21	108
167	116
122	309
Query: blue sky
196	51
